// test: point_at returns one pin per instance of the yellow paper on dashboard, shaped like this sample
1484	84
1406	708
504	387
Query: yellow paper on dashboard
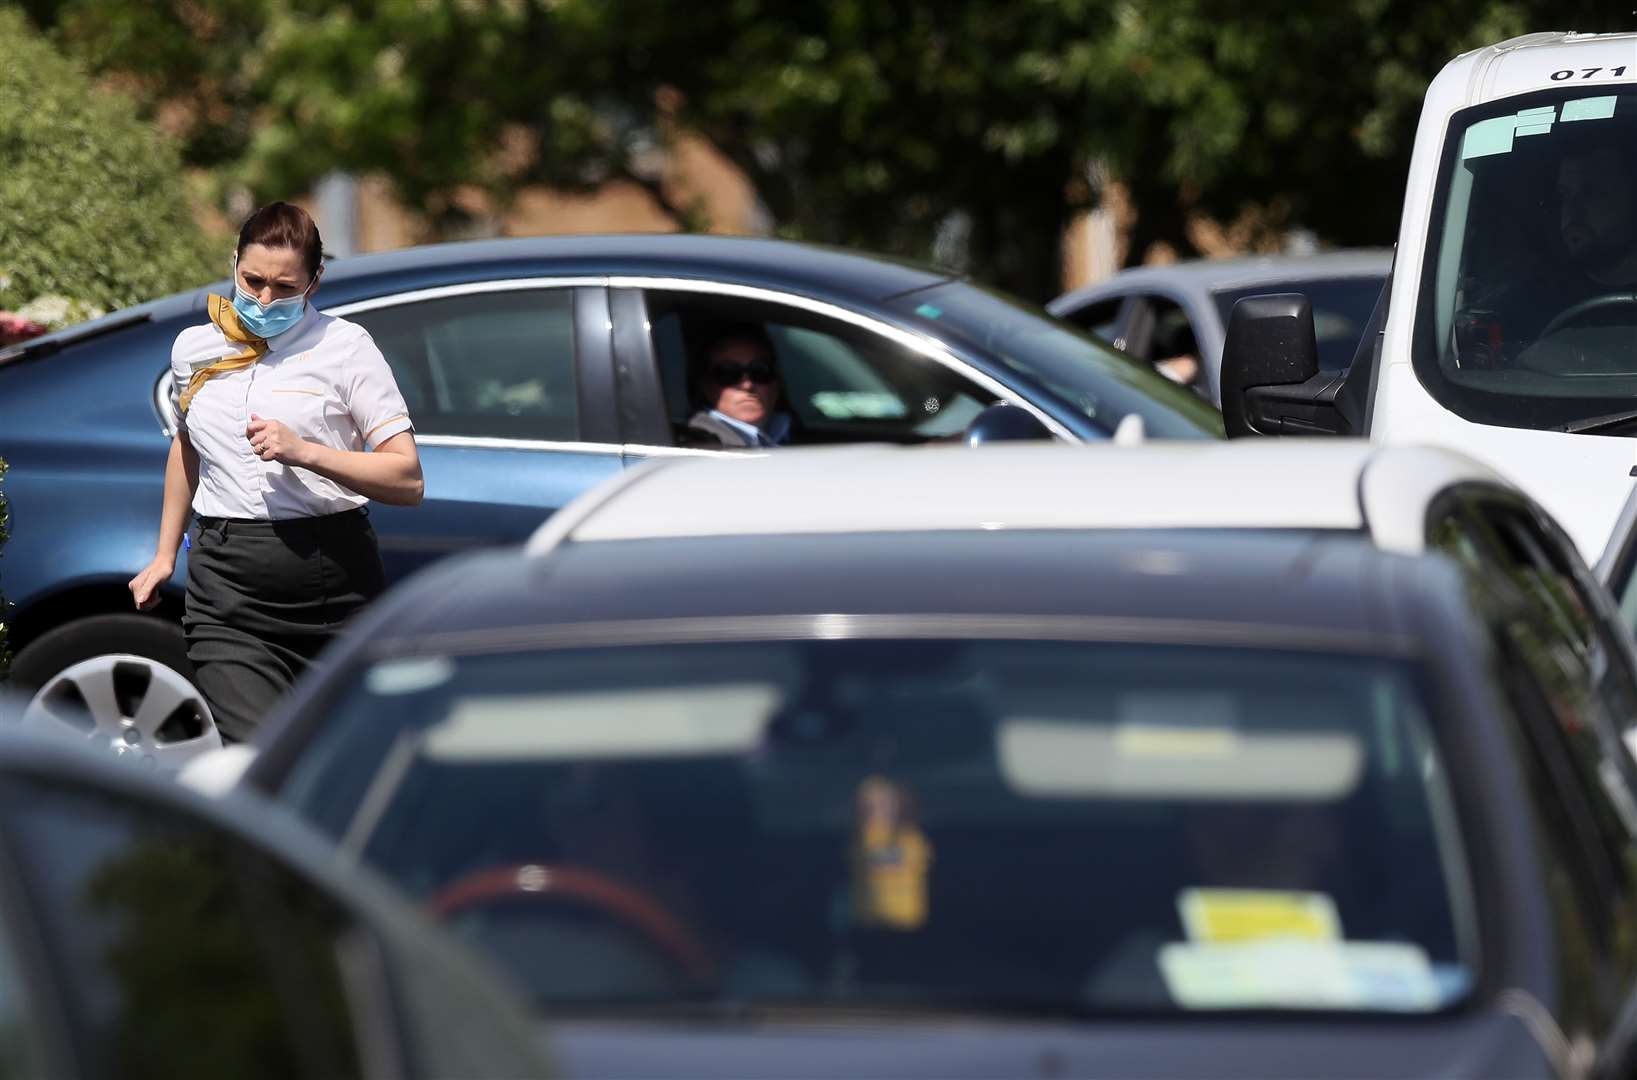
1220	916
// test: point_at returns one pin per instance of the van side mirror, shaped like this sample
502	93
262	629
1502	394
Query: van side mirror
1005	422
1271	382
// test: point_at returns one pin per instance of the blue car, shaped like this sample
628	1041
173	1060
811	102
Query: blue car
533	369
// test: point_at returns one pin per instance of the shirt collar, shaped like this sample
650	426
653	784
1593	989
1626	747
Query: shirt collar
776	432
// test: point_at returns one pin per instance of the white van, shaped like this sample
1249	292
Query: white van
1508	328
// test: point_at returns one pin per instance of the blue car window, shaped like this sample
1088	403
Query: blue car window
497	364
841	383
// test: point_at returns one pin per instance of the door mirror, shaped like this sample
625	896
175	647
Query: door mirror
1005	422
1271	382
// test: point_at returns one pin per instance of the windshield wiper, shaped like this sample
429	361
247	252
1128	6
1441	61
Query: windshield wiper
1611	424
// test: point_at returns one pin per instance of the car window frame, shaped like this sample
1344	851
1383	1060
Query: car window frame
1613	636
1185	303
1616	569
648	391
1485	509
1568	828
592	358
1081	316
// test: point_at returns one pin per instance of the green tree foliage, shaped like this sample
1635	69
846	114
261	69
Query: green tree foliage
95	209
882	125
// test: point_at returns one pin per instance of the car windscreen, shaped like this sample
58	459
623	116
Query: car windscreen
1528	309
1042	825
1341	310
1100	381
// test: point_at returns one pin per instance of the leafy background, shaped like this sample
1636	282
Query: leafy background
96	208
879	125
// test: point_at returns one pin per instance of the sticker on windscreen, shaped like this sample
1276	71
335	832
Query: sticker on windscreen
1228	916
1495	136
409	676
1291	973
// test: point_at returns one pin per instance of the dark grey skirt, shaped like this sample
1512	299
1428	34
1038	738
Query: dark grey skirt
264	597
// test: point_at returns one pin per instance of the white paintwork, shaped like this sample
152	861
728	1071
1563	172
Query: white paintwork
218	771
1278	484
1398	485
1582	480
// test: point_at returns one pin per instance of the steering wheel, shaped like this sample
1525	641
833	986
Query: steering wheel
575	885
1574	311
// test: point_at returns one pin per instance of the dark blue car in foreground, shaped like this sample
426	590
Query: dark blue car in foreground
533	369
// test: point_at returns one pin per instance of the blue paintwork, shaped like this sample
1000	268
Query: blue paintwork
87	450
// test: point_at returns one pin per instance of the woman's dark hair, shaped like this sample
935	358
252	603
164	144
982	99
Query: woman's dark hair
281	225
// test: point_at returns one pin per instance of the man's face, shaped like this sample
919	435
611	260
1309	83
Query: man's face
739	381
1595	207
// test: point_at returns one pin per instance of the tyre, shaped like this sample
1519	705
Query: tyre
139	635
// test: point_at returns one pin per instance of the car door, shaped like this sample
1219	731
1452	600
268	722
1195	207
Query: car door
508	383
1583	822
845	378
1563	722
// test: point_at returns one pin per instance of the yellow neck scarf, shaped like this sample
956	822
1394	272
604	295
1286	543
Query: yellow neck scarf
227	321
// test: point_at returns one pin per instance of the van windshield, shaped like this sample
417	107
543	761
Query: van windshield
1529	311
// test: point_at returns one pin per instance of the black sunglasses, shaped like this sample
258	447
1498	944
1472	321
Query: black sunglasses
724	374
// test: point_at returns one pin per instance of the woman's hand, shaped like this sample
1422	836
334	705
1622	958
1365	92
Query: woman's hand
145	586
272	441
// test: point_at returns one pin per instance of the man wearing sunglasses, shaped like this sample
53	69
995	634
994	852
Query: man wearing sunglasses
737	384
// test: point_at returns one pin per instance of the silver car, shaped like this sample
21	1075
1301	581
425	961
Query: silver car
1175	316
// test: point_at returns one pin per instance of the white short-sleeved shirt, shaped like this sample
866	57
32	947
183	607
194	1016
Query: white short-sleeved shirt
323	378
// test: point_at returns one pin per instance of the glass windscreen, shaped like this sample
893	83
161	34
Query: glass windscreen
1529	302
925	824
1341	310
183	952
1102	382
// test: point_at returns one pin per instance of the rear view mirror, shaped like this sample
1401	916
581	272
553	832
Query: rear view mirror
1005	422
1271	383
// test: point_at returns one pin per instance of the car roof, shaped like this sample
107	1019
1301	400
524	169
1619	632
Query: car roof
1523	64
807	269
1211	275
1327	484
1305	588
681	255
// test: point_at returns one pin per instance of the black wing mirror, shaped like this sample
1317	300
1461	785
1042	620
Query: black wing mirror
1004	422
1271	382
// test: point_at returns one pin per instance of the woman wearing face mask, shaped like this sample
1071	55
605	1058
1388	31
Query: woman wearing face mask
288	422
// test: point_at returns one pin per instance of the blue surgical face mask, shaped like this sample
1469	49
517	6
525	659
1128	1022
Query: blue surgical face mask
267	320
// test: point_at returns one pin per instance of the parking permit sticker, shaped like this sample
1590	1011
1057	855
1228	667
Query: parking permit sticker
1225	916
1294	974
1590	108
